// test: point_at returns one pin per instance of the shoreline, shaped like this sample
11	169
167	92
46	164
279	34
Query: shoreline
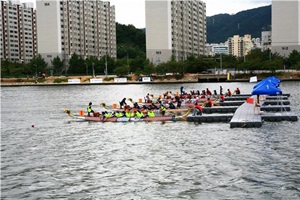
85	80
15	84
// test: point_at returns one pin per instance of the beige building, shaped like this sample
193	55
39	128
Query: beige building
18	31
175	28
239	46
86	28
285	26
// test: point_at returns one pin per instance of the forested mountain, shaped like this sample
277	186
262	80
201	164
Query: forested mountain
131	41
222	26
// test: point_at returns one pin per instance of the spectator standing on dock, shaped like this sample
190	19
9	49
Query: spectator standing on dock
221	90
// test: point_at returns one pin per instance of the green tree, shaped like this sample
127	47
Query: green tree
37	65
122	71
293	58
111	64
149	69
58	65
76	65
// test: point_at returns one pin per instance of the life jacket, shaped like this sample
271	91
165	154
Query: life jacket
139	114
151	113
128	114
163	108
107	115
222	98
199	108
118	114
89	109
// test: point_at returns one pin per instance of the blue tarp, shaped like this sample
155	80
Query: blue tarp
268	86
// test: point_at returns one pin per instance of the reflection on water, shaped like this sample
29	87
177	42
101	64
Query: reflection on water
62	159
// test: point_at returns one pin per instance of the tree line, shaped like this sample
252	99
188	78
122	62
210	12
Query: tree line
139	65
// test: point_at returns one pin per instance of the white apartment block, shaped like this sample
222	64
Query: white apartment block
175	29
18	31
239	46
266	40
86	28
285	26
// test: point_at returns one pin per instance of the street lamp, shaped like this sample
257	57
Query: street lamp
93	70
87	69
106	65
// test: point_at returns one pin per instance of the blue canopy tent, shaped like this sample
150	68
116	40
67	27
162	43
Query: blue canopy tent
267	87
272	80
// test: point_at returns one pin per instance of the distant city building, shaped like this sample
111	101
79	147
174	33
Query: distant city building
18	31
285	27
256	43
239	46
213	49
86	28
266	38
221	49
175	29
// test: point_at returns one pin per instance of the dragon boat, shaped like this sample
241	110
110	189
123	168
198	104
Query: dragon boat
99	118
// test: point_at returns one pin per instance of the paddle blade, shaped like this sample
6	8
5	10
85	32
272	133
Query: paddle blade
104	105
68	112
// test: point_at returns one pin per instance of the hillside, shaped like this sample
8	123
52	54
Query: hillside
222	26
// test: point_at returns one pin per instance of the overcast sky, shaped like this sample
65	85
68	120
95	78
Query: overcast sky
133	11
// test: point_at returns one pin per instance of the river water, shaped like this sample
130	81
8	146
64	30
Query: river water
45	155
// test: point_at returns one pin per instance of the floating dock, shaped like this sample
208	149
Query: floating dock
246	115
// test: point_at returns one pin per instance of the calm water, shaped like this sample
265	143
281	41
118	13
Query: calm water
61	159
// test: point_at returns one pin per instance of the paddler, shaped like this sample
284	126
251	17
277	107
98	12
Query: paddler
106	115
122	103
163	109
197	110
129	113
150	113
139	114
118	114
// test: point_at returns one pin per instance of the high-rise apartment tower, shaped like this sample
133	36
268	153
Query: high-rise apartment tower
285	26
239	46
86	28
17	31
175	29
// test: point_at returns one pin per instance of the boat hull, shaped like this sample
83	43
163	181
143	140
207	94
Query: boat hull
125	119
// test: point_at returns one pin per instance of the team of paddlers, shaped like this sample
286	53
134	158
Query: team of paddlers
193	100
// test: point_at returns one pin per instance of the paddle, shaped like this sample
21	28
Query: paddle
68	112
104	106
183	117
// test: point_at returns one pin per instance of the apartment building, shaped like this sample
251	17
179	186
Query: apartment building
175	29
239	46
266	38
18	31
285	27
86	28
